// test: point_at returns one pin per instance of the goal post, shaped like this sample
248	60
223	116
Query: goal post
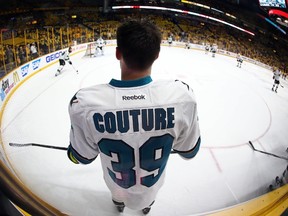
90	50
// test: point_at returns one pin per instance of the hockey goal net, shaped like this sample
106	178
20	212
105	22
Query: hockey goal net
90	49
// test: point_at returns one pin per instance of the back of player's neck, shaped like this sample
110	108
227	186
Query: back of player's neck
133	75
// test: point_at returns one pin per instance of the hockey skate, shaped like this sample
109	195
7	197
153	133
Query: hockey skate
57	73
120	208
119	205
146	210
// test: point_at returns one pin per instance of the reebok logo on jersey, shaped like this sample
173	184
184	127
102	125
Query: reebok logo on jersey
133	97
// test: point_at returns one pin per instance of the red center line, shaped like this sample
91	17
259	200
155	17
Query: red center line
216	161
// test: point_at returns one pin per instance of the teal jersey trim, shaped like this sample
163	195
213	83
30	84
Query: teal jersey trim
131	83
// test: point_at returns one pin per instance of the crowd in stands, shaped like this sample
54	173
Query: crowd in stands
22	45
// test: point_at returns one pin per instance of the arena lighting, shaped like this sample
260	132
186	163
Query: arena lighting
207	7
272	23
217	10
227	14
278	12
276	26
194	3
184	12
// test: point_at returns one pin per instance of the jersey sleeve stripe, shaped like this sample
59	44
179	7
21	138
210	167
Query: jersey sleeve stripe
191	153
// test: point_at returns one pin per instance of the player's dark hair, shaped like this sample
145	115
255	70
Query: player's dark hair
139	42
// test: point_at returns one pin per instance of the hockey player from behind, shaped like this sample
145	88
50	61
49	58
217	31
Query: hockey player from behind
135	122
62	59
276	77
99	46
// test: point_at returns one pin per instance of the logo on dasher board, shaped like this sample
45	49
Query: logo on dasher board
134	97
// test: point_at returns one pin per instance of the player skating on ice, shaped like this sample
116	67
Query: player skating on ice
187	44
207	48
213	49
134	123
99	46
239	59
276	77
170	40
62	59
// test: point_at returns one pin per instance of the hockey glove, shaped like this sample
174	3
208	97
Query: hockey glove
70	62
71	157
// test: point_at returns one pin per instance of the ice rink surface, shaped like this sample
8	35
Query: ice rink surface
235	105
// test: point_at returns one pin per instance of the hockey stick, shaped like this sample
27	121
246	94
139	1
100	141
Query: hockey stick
254	149
74	68
39	145
49	146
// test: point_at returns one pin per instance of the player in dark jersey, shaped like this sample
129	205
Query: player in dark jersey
207	48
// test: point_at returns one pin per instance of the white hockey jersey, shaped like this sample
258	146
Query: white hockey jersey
133	125
65	55
277	75
100	42
239	58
